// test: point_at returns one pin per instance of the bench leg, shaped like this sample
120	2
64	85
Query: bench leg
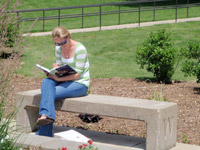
26	118
162	131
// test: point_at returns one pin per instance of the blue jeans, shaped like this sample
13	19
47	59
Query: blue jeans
51	91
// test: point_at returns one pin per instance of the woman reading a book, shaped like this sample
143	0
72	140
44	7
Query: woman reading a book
73	53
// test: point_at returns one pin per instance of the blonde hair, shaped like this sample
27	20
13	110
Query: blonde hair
60	32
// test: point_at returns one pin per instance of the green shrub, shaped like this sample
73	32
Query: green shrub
158	56
12	34
191	67
9	30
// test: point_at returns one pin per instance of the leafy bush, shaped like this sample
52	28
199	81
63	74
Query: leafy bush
191	67
9	31
158	56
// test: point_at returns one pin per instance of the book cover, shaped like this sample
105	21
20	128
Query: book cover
61	71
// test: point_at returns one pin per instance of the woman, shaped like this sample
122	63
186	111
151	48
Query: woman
54	88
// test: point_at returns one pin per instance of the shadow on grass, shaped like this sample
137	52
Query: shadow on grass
196	90
153	80
6	55
147	79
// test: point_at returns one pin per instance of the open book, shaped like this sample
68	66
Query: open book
61	71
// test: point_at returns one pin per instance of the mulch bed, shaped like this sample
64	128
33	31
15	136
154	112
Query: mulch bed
185	94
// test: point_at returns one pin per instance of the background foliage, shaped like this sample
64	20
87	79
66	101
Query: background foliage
191	66
158	56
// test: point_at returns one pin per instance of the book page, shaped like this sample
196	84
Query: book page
62	71
42	68
72	135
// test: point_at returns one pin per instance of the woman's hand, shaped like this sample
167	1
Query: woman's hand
56	65
65	78
54	77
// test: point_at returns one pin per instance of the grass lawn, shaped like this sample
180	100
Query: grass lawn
111	53
93	21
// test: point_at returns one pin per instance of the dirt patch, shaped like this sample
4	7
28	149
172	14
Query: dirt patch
185	94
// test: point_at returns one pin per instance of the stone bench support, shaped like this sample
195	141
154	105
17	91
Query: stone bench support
160	117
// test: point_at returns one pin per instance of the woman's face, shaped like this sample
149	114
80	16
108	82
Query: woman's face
61	41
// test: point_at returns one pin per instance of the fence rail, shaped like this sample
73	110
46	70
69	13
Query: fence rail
140	8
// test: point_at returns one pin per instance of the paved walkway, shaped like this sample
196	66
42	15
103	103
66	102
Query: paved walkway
102	141
123	26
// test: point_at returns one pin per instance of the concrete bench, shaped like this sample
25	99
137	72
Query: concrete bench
160	117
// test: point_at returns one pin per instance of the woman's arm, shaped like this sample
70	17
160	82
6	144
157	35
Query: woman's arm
65	78
81	61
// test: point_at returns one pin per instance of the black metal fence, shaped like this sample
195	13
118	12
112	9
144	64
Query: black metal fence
134	6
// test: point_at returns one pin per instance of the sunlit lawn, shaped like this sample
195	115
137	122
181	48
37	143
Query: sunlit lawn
111	53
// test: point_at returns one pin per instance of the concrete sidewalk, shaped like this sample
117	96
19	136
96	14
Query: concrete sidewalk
123	26
102	141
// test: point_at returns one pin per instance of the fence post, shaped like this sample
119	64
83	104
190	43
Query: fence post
176	17
100	17
17	20
58	17
154	12
139	15
43	19
187	8
119	14
82	16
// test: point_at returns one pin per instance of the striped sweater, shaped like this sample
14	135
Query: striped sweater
79	62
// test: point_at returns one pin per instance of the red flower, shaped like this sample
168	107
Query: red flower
85	145
80	146
90	142
64	148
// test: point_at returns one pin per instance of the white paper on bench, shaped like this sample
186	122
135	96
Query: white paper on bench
72	135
